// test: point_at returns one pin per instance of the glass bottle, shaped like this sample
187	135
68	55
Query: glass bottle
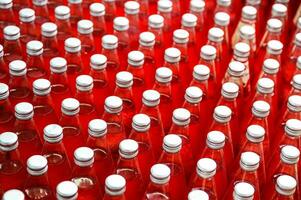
97	16
11	45
76	11
188	23
49	39
115	187
7	17
180	42
62	20
243	190
285	188
66	190
111	9
7	117
13	194
155	26
28	28
279	11
222	21
165	10
37	183
198	194
132	10
3	67
291	135
296	83
85	35
197	8
247	34
41	11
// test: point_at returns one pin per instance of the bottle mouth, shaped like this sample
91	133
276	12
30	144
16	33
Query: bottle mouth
221	119
4	94
254	139
288	159
113	110
248	167
128	155
291	132
285	192
180	122
193	100
260	114
9	147
6	5
73	49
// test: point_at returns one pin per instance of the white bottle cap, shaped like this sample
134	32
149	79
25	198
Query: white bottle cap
13	194
131	7
11	32
109	42
24	111
141	123
293	127
83	156
34	48
147	39
17	68
124	79
4	91
224	3
8	141
294	103
151	98
255	133
201	72
216	34
181	117
113	104
128	148
236	69
230	90
206	168
163	75
85	26
265	86
98	61
121	23
172	143
215	140
208	52
37	165
249	161
260	109
72	45
97	9
243	190
271	66
66	190
274	25
84	83
297	81
49	29
160	174
172	55
222	19
197	5
274	47
241	51
155	21
189	20
222	114
180	36
6	4
193	95
135	58
115	185
286	185
41	87
27	15
58	65
97	128
279	10
70	106
297	40
164	6
53	133
62	12
247	32
39	2
249	12
289	154
198	195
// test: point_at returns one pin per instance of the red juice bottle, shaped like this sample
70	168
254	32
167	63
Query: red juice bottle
7	17
55	153
69	120
25	128
3	67
279	11
163	86
11	44
204	178
55	3
158	187
76	11
28	28
20	4
97	141
227	7
41	11
198	194
111	10
296	83
140	133
13	194
242	190
171	156
114	187
291	135
43	106
85	34
128	167
247	34
124	83
84	94
113	116
97	16
84	175
197	8
37	184
150	107
132	10
109	49
12	172
222	21
285	187
164	8
62	20
7	117
49	39
66	190
188	23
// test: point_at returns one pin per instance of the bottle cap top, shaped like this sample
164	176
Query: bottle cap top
279	10
135	58
72	45
197	195
121	23
5	4
53	133
215	140
164	6
274	25
85	26
155	21
163	75
37	165
216	34
255	133
236	69
131	7
193	94
49	29
70	106
181	117
147	39
201	72
13	194
293	127
289	154
41	87
297	81
172	143
206	167
27	15
58	65
197	5
128	148
4	91
141	123
297	40
271	66
62	12
247	32
189	20
274	47
124	79
208	52
34	48
222	114
294	103
249	161
172	55
261	109
24	111
83	156
286	185
160	174
11	32
222	19
84	83
230	90
249	12
243	190
242	51
180	36
265	86
151	98
115	185
17	68
97	9
98	61
109	42
97	128
66	190
224	3
113	104
8	141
